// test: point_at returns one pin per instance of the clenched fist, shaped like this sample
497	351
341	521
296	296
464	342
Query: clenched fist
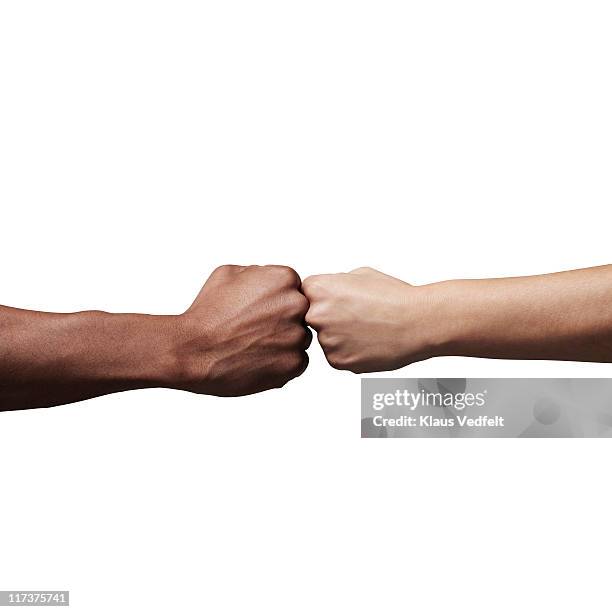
245	332
368	321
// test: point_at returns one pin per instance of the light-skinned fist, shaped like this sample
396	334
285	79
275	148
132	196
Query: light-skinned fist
368	321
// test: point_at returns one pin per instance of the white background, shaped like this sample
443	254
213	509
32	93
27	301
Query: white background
144	143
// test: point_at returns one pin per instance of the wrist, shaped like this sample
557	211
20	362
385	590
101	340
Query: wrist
445	318
188	365
127	351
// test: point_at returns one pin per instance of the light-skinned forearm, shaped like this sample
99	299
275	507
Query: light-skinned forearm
562	316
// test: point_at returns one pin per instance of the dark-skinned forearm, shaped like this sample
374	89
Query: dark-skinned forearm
48	359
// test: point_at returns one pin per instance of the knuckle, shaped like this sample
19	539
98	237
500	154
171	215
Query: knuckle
287	275
327	340
225	269
335	362
220	269
304	360
311	318
316	315
311	286
338	361
296	363
296	336
298	304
